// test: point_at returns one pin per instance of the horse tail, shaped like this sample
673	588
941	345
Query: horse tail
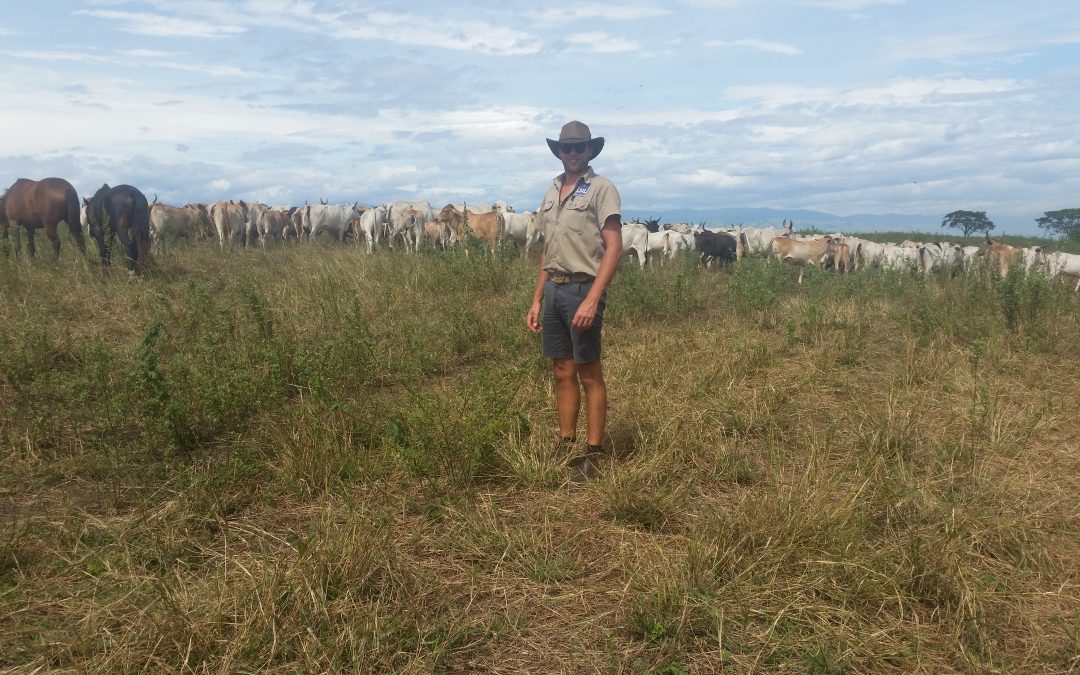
140	227
73	216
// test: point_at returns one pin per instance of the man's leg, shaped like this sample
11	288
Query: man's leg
567	396
592	380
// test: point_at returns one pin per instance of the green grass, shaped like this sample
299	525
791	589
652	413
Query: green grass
307	458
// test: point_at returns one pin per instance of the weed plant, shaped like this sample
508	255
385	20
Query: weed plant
308	458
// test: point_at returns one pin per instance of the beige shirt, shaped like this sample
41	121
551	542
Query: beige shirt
572	239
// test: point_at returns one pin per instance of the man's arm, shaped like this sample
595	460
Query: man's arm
612	234
532	319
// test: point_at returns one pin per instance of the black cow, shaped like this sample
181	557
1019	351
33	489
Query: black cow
716	246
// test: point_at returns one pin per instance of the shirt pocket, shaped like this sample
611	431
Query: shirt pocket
576	214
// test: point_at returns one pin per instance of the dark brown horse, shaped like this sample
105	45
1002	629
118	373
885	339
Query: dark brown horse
42	203
122	212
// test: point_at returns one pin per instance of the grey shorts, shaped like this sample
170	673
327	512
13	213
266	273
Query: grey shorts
561	302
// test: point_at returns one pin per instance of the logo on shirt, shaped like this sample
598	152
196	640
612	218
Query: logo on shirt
582	189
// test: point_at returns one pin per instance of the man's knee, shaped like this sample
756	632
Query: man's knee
565	370
591	375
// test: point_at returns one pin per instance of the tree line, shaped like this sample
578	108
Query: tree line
1064	223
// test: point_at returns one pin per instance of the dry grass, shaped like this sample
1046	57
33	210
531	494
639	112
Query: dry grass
322	461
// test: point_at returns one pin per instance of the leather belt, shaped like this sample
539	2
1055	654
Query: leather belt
575	278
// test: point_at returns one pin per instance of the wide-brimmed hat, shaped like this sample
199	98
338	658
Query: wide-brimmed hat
577	132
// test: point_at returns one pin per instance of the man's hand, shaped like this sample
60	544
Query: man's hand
585	314
532	319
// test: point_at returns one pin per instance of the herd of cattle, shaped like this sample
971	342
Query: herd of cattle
841	252
405	223
124	212
411	223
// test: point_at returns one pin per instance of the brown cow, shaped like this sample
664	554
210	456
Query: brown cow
841	254
487	226
803	252
167	221
1001	256
273	224
437	233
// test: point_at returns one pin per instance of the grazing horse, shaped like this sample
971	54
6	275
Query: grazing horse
42	203
121	211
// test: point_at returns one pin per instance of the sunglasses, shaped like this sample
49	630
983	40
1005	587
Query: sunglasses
577	148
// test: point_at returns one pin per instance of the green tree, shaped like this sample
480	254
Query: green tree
968	222
1064	223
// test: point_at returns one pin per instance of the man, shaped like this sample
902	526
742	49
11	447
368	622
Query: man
582	228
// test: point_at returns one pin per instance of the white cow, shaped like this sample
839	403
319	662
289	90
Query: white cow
676	241
409	230
533	235
331	218
296	223
517	230
940	256
1034	258
759	239
656	246
1059	263
685	228
254	215
867	253
371	225
230	222
635	239
970	256
899	258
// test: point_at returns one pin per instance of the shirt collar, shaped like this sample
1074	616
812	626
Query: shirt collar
587	177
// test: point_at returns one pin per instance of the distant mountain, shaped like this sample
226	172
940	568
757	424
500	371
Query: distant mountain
806	219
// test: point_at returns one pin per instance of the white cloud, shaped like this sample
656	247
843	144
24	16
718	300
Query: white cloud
601	12
956	45
54	55
710	178
838	5
158	25
221	185
847	5
759	45
780	94
140	58
145	53
900	92
602	43
416	30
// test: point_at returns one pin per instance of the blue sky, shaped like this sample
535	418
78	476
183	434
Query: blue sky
844	106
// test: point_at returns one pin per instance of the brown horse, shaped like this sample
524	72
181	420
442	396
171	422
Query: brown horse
122	212
42	203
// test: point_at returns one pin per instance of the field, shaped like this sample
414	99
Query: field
309	459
